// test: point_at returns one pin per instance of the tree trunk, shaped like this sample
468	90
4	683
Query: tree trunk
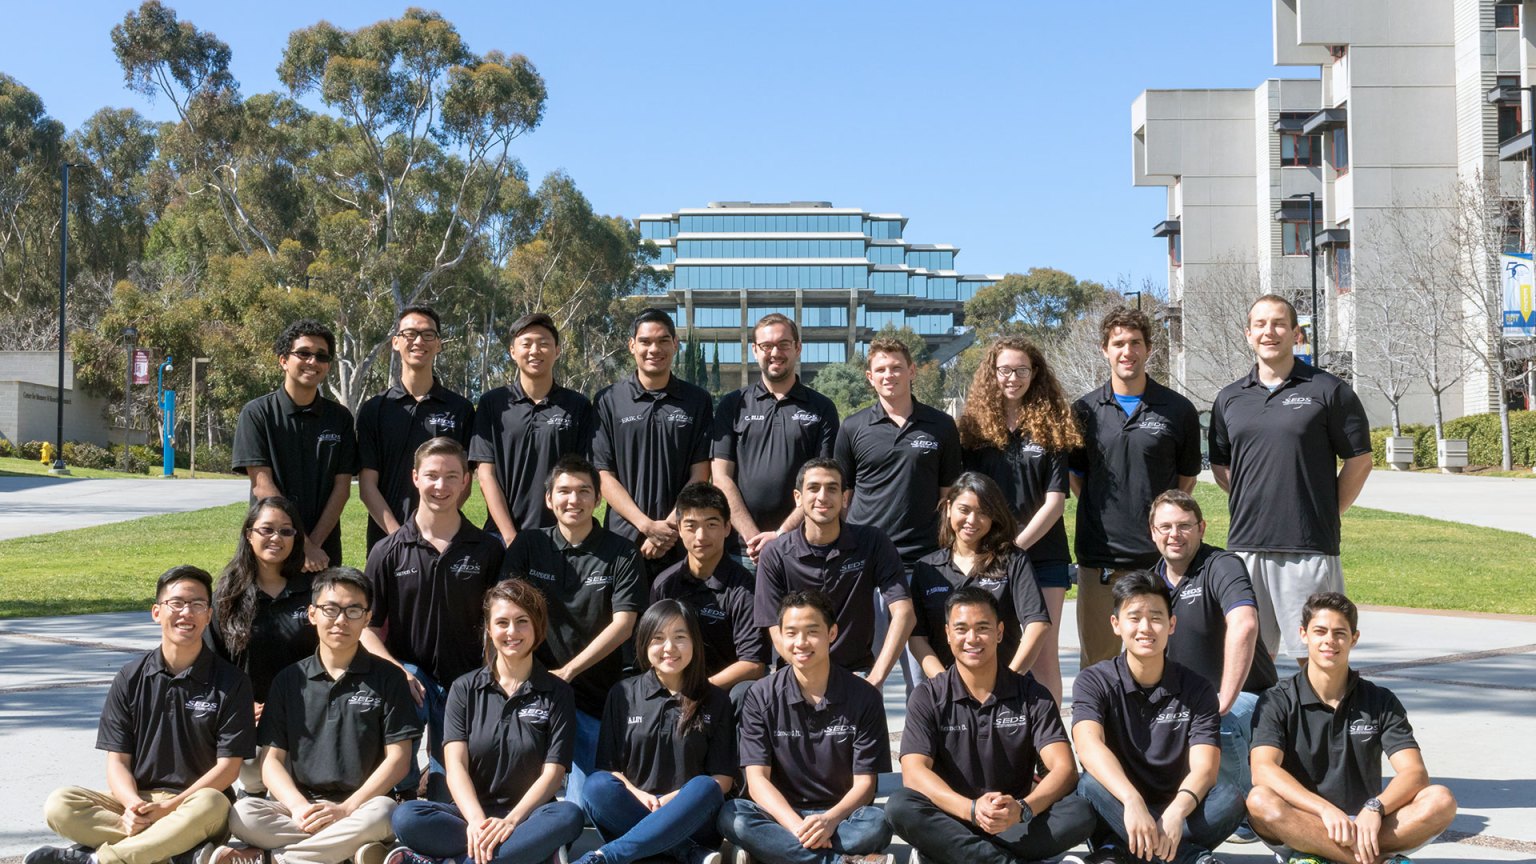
1397	420
1439	417
1506	453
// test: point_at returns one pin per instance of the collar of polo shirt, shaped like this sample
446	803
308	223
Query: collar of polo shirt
1170	684
1300	371
200	671
1309	696
1008	684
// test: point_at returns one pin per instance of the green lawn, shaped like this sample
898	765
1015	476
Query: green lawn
1389	559
15	467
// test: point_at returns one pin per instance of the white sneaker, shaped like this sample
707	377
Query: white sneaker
913	858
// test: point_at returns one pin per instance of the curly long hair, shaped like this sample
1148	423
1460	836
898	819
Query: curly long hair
1046	415
996	545
234	597
695	682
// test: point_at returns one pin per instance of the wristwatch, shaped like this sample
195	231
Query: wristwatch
1374	805
1025	814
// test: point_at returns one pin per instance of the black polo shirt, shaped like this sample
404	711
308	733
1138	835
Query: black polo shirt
390	427
585	585
814	751
174	727
723	602
1281	448
650	439
1149	730
1215	583
430	605
769	439
510	739
281	635
1334	753
1013	585
979	747
335	730
849	570
640	738
524	439
896	473
1125	463
1026	471
306	447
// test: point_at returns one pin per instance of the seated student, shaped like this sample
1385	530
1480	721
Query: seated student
972	738
1308	802
719	589
176	725
1149	737
667	753
976	533
335	735
813	743
511	727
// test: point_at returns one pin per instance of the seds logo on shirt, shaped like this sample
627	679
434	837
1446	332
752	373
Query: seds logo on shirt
365	701
676	417
328	438
1031	449
1191	594
443	422
838	731
596	580
560	421
1365	728
713	613
1155	425
1296	402
854	566
533	713
202	707
1008	720
805	418
988	583
1172	715
464	568
923	444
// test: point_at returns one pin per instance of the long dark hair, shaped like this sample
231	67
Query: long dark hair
524	596
695	679
234	596
993	549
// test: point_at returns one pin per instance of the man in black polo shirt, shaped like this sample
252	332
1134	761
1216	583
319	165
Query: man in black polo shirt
848	563
336	735
595	583
296	443
719	589
177	723
764	433
429	579
652	440
522	429
1139	439
1149	737
1318	739
393	424
813	742
972	738
1276	436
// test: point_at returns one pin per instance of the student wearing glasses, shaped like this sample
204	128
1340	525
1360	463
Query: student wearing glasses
296	443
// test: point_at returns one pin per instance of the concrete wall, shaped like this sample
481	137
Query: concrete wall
29	412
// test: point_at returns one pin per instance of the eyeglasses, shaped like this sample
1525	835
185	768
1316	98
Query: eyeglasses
1180	528
427	336
783	347
332	611
176	604
1022	372
311	356
267	531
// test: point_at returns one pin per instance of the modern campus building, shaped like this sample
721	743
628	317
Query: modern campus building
1414	100
841	273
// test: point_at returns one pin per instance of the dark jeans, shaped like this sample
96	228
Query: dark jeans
749	827
430	714
632	832
1204	829
437	830
584	758
944	839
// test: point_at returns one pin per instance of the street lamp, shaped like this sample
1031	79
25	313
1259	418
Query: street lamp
192	465
1138	298
130	338
167	418
1317	315
58	466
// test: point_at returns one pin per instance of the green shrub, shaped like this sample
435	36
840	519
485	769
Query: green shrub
1424	455
84	454
1481	432
136	461
32	451
213	458
7	449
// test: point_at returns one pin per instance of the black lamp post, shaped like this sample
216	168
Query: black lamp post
130	338
1317	315
58	466
1138	298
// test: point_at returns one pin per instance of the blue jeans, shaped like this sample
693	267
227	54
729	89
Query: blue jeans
1236	738
1204	829
584	758
429	713
437	830
749	827
632	832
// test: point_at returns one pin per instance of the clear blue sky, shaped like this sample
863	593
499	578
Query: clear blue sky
1003	128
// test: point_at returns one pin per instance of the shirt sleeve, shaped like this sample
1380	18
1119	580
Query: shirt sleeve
720	758
1028	602
1396	731
466	427
1089	699
562	726
456	711
1271	720
373	571
922	577
272	731
1077	460
1230	582
251	447
753	746
1348	429
346	463
890	575
770	586
115	733
1204	711
482	444
871	738
723	434
587	424
1220	446
610	738
1189	444
920	731
237	721
827	441
1044	716
751	643
602	438
703	423
400	723
367	432
1056	471
629	580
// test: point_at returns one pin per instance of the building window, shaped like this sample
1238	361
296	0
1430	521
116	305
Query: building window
1509	120
1299	150
1341	150
1343	279
1175	250
824	316
1506	15
1512	229
823	352
887	254
758	313
1294	237
716	316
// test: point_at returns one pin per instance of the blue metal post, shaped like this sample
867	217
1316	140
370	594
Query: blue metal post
167	421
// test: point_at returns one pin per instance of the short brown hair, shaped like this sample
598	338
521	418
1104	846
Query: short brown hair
525	597
1273	298
888	346
1178	498
1125	318
777	318
441	446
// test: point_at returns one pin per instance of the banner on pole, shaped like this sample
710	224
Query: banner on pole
1519	296
141	365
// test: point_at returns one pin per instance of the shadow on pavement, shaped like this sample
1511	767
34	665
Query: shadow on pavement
62	709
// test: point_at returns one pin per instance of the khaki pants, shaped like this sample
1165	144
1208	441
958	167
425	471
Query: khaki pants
91	819
269	825
1095	603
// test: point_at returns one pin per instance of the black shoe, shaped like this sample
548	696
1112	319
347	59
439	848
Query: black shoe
58	855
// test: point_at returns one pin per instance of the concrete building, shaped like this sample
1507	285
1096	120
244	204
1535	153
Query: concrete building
29	401
841	273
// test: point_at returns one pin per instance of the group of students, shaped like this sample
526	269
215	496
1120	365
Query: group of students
762	569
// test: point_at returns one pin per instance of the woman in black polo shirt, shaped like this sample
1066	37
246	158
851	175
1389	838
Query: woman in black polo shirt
1018	429
509	729
667	750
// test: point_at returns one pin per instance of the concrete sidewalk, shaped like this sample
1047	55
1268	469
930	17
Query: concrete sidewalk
41	505
1506	503
1466	681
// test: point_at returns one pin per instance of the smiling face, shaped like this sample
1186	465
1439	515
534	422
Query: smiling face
1014	371
440	481
653	349
967	520
703	533
417	341
572	499
776	351
890	375
535	351
307	374
266	537
820	496
339	633
1329	639
511	630
1126	352
1143	625
671	648
182	628
1177	533
1270	331
805	637
973	631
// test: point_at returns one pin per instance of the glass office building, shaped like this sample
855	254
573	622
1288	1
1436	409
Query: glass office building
841	273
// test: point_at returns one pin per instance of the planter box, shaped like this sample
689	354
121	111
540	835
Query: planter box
1451	454
1400	452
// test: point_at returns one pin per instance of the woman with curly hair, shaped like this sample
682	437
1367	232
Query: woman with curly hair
1018	428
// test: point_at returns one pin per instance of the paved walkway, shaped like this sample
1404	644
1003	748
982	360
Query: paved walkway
1465	680
1507	503
40	505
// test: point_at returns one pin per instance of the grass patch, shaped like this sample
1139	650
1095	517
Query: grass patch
16	467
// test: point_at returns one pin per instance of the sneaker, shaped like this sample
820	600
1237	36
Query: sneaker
1243	834
1397	859
886	858
58	855
368	853
1104	855
202	853
1207	858
593	857
405	855
1305	858
701	855
240	855
913	858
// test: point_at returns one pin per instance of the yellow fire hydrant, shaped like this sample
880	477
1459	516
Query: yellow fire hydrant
47	458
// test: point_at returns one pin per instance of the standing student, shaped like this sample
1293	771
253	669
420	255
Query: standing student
763	434
973	736
522	429
1018	429
813	743
510	732
391	425
176	725
295	443
652	440
335	738
667	754
1277	435
594	584
1139	439
976	534
428	580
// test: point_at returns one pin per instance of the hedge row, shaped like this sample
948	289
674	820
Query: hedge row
1481	432
141	459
